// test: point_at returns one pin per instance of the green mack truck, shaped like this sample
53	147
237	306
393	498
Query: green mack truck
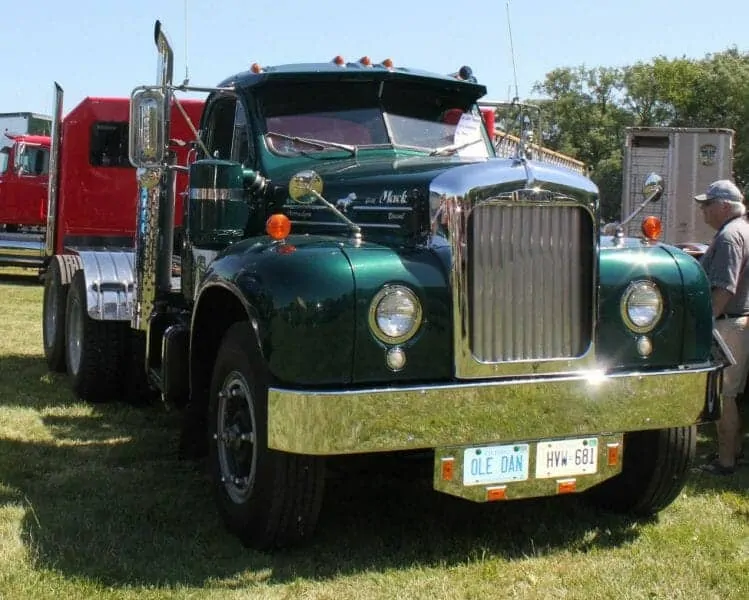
360	273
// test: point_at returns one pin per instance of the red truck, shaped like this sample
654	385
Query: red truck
88	198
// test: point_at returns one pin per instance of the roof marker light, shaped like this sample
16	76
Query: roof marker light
366	61
256	68
338	60
388	63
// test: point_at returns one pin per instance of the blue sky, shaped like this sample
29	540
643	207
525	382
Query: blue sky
105	48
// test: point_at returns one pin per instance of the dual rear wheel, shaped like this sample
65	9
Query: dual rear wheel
104	359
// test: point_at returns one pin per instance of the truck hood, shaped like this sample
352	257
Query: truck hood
389	196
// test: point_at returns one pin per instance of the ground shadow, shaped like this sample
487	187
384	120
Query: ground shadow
109	501
106	499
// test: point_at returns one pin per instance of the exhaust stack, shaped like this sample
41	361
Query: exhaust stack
54	178
154	239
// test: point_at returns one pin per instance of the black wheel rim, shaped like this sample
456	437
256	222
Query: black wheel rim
235	437
75	335
51	302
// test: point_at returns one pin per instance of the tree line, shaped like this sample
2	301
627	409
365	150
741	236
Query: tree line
585	110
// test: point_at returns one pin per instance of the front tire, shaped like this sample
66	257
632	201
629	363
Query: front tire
94	350
655	470
268	499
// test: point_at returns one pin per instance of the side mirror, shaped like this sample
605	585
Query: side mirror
653	184
18	157
147	135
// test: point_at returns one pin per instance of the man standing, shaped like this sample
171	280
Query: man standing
725	263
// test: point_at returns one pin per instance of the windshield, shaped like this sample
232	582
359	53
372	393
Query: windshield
335	117
3	160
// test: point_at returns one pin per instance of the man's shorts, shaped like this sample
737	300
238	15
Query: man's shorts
735	333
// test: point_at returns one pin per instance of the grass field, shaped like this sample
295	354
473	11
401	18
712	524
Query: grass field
95	504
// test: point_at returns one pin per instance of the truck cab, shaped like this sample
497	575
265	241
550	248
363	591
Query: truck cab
24	170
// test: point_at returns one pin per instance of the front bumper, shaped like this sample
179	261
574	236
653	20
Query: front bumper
326	422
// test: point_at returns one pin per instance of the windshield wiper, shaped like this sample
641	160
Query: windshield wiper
453	148
321	144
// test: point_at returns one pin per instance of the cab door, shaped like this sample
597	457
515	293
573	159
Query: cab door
25	186
5	175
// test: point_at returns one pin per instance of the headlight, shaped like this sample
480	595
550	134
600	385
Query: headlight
641	306
394	314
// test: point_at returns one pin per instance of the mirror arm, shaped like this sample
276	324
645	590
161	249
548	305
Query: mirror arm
355	229
652	198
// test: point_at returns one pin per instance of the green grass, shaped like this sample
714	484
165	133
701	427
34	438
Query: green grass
95	504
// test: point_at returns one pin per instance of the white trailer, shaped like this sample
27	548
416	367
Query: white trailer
689	159
23	123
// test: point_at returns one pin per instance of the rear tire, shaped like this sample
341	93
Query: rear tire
656	467
53	317
268	499
94	350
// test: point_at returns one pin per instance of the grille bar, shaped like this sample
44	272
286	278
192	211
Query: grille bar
530	282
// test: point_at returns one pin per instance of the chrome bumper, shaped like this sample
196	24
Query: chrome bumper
384	419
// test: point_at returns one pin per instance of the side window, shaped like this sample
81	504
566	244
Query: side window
4	156
34	160
40	164
218	129
240	143
108	145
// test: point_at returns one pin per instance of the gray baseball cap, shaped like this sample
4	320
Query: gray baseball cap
723	189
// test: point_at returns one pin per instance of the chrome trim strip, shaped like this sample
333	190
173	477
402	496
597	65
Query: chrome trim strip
383	208
110	284
216	194
336	224
413	417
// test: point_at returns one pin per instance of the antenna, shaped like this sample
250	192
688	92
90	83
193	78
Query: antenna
187	68
512	54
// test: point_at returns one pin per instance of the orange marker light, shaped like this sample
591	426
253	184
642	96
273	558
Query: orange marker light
387	63
651	228
278	226
256	68
448	469
496	493
612	454
566	486
366	61
338	60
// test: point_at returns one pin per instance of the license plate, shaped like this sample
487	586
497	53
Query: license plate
562	458
495	464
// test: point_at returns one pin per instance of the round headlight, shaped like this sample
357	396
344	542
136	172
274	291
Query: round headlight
641	306
394	314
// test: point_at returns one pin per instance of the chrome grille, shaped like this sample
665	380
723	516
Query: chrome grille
529	281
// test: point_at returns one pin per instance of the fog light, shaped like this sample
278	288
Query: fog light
644	346
396	359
